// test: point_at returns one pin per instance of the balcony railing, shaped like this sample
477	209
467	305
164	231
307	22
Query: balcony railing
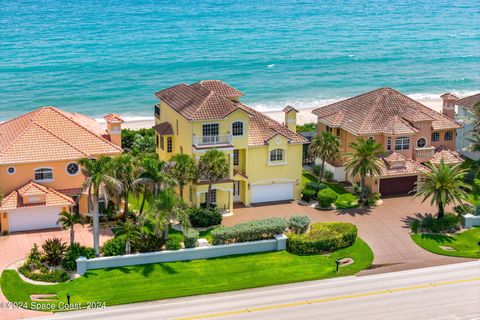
212	141
424	153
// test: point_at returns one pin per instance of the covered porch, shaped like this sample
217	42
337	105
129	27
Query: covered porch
221	194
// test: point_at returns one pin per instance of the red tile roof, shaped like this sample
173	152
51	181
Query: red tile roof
395	164
53	198
221	88
50	134
113	118
163	129
289	108
448	156
469	102
381	111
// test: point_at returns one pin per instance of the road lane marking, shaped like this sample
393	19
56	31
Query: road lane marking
330	299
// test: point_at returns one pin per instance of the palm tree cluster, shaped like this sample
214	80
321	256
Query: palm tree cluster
154	182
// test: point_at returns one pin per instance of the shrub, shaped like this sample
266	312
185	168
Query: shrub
308	194
323	237
346	201
41	273
312	185
203	205
298	224
476	210
415	226
316	168
326	197
34	256
200	217
249	231
450	223
328	175
464	209
53	250
114	247
191	237
73	253
173	244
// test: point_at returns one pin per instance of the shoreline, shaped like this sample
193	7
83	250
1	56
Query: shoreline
304	115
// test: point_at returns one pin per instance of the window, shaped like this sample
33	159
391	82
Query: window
422	142
237	128
276	155
157	142
210	129
448	135
389	143
162	143
235	158
338	132
157	111
436	136
11	170
212	195
329	129
43	174
402	143
169	144
371	138
72	169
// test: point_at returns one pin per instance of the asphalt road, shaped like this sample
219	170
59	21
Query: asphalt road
444	292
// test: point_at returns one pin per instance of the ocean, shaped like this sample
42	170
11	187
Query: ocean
98	57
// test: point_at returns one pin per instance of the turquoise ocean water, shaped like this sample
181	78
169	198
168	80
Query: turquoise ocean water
111	56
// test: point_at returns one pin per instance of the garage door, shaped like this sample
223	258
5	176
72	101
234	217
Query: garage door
33	218
397	186
272	192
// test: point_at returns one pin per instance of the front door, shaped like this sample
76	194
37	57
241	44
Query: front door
236	191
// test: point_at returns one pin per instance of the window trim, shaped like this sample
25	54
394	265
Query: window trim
402	146
42	180
68	173
243	128
277	162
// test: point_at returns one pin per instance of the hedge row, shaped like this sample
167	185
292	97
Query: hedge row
323	237
249	231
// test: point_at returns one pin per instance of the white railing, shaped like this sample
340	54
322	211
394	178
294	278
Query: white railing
426	152
203	141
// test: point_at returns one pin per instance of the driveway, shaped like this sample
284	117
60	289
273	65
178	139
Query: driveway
385	229
16	246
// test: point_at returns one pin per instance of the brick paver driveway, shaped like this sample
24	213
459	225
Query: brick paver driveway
16	246
384	228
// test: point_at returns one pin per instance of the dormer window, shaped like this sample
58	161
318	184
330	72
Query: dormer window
43	174
237	128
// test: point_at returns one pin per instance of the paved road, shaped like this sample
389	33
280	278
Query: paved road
443	292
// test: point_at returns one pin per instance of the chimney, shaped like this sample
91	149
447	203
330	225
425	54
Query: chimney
114	128
291	118
448	108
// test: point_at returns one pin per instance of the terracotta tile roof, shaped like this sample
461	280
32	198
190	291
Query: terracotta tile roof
53	198
163	129
449	96
113	118
381	111
290	108
395	164
448	156
50	134
221	88
469	102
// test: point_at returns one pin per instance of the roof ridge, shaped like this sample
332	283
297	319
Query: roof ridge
34	114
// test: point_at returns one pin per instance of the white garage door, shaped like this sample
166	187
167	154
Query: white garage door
272	192
33	218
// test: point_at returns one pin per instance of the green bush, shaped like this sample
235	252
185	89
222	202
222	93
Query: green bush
316	168
326	197
38	272
298	224
346	201
53	250
34	256
249	231
173	244
323	237
450	223
415	226
73	253
203	205
464	209
190	238
328	175
308	194
200	217
312	185
113	247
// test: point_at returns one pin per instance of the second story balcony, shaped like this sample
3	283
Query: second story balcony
215	141
423	154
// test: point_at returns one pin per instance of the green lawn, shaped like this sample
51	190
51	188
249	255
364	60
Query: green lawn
202	234
176	279
136	202
465	243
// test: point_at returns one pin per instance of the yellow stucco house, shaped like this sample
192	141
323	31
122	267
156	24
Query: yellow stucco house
265	156
39	171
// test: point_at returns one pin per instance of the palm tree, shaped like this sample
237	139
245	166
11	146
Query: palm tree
68	220
214	166
130	230
153	176
325	146
475	133
125	169
183	170
97	182
443	185
363	161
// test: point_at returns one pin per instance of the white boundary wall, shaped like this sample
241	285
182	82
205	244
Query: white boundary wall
339	173
469	220
277	244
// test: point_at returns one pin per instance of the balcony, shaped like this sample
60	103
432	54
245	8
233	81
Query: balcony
424	154
212	141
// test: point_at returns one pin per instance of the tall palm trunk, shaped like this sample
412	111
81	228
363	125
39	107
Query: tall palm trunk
207	200
322	169
96	225
143	200
441	210
125	207
362	189
72	235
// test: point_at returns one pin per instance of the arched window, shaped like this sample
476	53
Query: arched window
43	174
237	128
276	155
169	144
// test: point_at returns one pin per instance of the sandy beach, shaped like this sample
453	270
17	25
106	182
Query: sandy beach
304	115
